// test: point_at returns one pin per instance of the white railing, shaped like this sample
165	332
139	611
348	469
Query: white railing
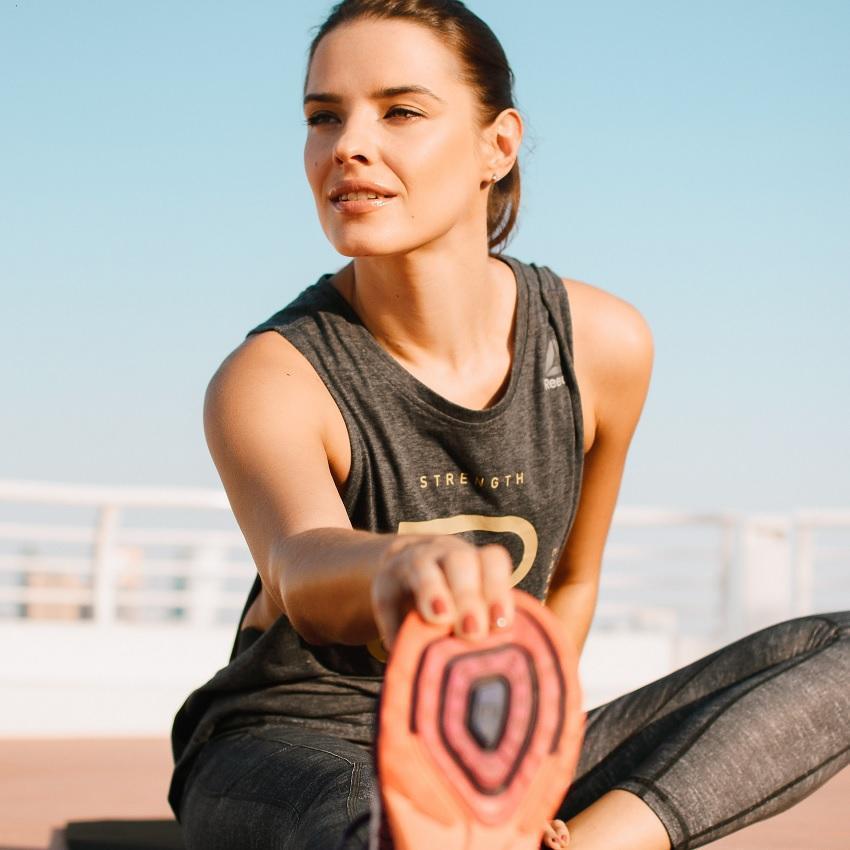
96	558
821	560
92	560
117	602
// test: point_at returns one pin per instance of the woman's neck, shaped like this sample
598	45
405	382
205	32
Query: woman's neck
433	310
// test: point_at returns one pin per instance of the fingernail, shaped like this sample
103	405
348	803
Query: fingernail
468	624
497	615
438	606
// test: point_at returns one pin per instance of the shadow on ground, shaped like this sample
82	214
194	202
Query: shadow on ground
115	835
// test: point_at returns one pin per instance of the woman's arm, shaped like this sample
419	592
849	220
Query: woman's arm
268	420
614	351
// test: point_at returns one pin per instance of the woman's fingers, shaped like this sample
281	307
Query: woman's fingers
462	568
390	604
496	569
411	578
448	580
433	594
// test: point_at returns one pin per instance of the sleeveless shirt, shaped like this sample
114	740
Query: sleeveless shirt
420	463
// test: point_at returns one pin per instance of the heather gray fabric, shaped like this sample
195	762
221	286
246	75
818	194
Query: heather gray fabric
510	473
730	739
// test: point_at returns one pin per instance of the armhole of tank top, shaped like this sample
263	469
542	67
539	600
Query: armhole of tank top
558	304
253	593
355	441
351	487
562	298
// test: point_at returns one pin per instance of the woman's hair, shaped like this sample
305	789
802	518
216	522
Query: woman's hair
484	68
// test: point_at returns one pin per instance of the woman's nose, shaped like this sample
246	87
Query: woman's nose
355	139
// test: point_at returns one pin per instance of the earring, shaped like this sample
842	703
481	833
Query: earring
493	179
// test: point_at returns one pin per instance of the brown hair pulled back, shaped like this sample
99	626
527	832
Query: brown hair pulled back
485	70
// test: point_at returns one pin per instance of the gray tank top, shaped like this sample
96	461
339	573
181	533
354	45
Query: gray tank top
509	474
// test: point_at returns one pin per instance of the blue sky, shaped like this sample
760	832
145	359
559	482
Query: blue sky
690	157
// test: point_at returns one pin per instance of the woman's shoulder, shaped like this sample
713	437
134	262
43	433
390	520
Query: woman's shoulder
268	362
613	350
275	352
595	312
265	392
606	323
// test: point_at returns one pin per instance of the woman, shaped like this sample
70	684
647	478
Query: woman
428	427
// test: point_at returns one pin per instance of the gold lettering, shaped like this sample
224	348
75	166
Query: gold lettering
475	522
452	479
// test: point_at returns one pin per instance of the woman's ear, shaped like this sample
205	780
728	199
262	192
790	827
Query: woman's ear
504	138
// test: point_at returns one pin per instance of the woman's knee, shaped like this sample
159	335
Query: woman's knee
840	621
800	635
217	822
293	784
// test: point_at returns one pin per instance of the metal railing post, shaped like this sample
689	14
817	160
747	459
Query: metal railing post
766	570
804	560
729	591
203	585
103	578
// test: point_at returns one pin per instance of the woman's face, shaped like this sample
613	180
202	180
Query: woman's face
426	151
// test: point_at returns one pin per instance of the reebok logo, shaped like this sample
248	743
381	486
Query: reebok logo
554	377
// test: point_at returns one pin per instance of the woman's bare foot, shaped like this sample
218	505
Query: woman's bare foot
556	835
618	820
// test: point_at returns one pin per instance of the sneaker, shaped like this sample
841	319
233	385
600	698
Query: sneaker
477	742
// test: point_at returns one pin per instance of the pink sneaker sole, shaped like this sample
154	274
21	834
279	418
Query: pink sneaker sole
477	742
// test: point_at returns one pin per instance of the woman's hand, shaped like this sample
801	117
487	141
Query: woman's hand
448	580
556	835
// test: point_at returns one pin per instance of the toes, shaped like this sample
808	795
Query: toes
555	835
563	833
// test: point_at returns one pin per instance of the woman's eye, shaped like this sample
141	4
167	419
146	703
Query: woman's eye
407	112
319	117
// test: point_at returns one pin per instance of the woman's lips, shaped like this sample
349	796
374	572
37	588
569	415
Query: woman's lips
363	206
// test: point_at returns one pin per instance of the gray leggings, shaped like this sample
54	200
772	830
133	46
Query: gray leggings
730	739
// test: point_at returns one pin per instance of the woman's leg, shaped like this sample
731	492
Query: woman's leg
730	739
275	787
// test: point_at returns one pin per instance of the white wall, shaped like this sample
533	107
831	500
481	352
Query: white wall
79	679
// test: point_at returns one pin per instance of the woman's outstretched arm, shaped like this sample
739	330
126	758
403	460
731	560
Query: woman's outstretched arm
267	419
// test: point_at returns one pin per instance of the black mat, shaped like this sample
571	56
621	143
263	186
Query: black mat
123	835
